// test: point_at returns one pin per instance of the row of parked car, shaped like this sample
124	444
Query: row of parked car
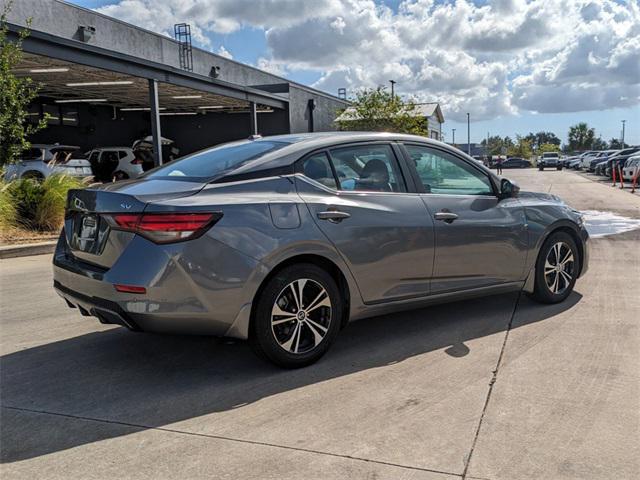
604	162
510	162
103	164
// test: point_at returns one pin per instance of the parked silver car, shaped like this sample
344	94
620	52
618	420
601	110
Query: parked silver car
40	161
281	240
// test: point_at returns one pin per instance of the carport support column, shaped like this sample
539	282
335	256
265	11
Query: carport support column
155	122
253	113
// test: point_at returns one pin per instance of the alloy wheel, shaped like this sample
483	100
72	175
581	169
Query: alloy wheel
301	316
559	268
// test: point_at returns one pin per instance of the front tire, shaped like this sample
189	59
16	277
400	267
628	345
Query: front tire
297	317
557	268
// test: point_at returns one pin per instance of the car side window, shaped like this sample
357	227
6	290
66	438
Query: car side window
368	168
122	154
94	156
443	173
318	168
33	154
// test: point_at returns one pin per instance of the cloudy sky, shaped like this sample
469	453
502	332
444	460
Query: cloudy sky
515	65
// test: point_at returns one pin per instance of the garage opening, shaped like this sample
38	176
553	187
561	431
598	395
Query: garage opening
96	108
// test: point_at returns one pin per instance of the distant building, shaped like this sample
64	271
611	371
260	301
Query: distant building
430	111
435	118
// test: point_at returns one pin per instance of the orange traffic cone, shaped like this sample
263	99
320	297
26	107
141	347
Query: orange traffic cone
621	177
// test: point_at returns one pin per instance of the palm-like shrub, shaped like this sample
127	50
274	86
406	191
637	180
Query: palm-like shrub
35	205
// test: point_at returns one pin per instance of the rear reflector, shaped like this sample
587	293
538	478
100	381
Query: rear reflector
129	288
165	227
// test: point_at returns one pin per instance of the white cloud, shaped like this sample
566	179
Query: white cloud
271	66
492	59
223	52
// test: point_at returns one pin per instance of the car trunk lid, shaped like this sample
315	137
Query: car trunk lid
90	236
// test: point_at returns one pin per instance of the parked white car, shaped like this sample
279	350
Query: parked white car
115	163
631	168
41	160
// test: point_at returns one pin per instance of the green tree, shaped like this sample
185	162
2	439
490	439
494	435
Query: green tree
377	110
16	93
581	136
598	144
548	147
541	138
616	144
496	145
522	148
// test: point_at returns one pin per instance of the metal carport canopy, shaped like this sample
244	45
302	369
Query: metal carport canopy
76	52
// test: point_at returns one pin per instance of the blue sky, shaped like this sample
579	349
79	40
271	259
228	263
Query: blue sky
517	66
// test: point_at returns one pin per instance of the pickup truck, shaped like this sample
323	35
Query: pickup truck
549	159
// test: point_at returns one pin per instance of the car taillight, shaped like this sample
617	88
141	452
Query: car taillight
137	161
165	227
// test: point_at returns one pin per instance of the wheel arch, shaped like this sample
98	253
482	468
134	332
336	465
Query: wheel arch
572	232
33	173
320	261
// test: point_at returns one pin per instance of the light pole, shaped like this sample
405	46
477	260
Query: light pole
468	135
623	122
453	131
393	83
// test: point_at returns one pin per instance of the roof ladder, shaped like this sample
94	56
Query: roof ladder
182	34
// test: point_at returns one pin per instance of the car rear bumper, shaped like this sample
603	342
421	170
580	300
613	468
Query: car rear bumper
197	287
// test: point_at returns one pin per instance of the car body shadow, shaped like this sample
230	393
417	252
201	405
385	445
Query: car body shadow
147	381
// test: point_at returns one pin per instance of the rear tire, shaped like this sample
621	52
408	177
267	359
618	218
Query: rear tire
557	269
297	317
540	168
558	168
120	175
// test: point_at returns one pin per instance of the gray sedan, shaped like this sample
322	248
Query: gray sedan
282	240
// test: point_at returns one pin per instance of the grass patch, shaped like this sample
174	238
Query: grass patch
28	204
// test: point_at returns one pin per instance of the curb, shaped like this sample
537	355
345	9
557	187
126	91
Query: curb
41	248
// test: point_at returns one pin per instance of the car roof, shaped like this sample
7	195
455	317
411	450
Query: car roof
111	148
299	145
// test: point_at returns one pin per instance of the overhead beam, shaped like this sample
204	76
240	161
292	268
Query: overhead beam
72	51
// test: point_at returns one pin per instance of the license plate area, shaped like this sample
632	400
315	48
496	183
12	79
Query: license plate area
89	232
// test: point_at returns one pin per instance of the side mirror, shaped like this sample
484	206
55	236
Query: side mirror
508	189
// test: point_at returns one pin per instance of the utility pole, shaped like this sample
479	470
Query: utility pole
453	130
393	83
623	122
468	135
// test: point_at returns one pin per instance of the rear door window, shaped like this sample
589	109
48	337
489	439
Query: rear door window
318	168
215	162
32	154
370	168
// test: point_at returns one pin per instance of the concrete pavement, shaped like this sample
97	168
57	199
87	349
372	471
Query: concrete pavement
495	388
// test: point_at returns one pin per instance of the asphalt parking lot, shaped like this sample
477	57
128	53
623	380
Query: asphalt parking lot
495	388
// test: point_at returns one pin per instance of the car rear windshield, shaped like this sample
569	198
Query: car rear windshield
215	162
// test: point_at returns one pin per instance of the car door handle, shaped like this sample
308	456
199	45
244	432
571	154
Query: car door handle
447	217
334	216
